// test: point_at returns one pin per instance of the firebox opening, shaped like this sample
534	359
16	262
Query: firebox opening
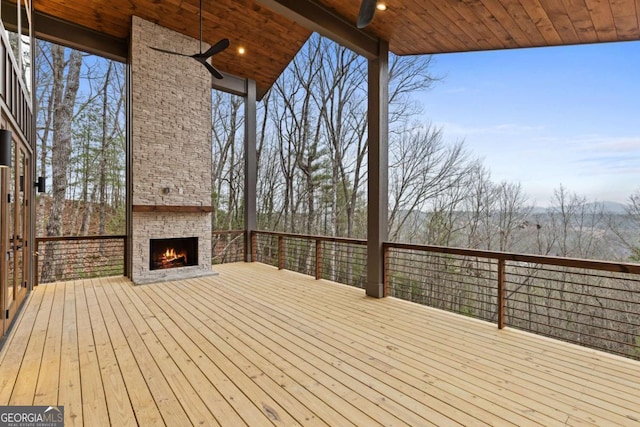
173	253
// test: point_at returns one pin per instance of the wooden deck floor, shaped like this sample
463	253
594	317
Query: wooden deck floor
256	346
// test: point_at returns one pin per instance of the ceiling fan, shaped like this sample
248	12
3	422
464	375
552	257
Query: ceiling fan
367	10
201	56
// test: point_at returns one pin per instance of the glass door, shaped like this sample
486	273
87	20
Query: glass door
5	264
16	192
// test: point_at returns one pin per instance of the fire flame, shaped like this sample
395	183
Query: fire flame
171	255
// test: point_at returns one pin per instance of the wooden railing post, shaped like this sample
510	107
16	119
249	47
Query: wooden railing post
253	236
281	249
125	256
501	293
385	270
318	259
37	263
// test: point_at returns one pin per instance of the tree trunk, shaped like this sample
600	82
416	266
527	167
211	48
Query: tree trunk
85	205
102	184
63	106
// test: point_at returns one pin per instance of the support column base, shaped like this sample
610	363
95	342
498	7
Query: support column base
375	290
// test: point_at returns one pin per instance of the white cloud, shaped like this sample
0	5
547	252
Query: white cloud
600	167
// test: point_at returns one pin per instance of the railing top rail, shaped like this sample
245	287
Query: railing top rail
347	240
533	259
72	238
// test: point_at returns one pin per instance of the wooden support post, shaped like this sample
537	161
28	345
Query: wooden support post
250	166
378	165
501	293
318	259
281	249
129	174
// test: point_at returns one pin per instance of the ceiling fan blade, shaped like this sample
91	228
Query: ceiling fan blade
216	48
215	73
202	57
169	51
367	10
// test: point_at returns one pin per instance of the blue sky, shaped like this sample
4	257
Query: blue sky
546	116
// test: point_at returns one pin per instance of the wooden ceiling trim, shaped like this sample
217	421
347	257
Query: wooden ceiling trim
443	12
515	9
436	39
82	16
428	21
581	19
602	17
561	22
489	37
626	23
541	20
505	40
271	24
507	22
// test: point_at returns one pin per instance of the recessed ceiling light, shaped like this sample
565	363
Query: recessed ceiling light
241	51
381	6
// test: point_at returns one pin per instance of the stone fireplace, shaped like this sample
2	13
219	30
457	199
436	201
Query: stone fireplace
170	157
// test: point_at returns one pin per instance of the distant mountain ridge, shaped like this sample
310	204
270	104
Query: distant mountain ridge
608	207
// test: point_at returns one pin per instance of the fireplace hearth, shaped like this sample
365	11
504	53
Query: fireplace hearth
173	253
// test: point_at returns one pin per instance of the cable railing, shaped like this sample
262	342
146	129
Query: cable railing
79	257
586	302
591	303
227	246
333	258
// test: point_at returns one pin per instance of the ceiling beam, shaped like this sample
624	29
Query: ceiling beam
237	85
231	84
78	37
314	17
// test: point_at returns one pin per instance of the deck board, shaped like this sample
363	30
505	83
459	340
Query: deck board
24	388
439	344
51	362
94	401
70	386
256	346
142	402
18	340
118	404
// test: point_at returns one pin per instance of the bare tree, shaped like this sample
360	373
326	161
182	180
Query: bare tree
66	82
577	225
227	165
80	137
425	175
626	228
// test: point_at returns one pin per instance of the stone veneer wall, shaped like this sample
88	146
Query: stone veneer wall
171	147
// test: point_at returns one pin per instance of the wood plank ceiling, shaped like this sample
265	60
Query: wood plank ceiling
440	26
410	26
